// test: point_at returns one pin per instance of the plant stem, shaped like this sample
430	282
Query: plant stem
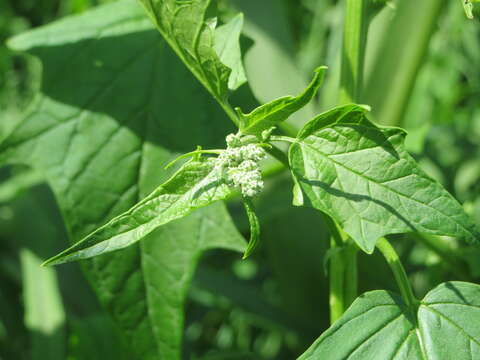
232	115
401	56
399	273
336	272
279	155
337	291
353	50
342	270
351	274
343	265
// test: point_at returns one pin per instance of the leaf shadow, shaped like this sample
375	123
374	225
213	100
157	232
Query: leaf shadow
357	198
374	134
210	186
451	286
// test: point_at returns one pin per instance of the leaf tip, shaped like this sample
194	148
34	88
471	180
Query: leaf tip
48	262
12	44
322	68
318	78
365	107
240	17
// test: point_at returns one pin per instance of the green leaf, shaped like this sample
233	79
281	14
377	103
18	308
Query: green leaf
44	313
92	337
227	46
276	111
379	326
254	227
169	262
363	177
108	117
196	184
185	27
271	63
468	7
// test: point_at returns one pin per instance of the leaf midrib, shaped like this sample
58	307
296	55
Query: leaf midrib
366	178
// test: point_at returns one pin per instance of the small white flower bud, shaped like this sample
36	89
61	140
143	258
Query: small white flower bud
241	167
233	140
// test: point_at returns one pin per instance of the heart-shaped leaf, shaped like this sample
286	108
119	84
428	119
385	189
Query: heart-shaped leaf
379	326
114	107
363	177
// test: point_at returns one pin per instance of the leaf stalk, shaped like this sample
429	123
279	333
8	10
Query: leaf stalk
393	261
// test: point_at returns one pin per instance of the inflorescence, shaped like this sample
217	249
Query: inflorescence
240	165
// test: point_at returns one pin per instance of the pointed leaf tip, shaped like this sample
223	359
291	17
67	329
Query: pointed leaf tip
279	110
195	185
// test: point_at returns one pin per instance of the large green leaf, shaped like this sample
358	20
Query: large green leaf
186	28
379	326
363	177
113	109
197	184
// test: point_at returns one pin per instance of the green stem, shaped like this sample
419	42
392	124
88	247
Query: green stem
336	272
343	265
353	50
279	155
337	290
342	270
351	274
232	115
399	59
399	273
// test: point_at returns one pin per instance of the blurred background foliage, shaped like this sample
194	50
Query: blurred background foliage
423	74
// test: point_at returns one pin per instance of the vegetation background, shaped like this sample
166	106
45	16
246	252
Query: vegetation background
423	74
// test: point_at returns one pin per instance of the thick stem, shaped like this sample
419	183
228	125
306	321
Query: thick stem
351	274
343	265
401	56
353	50
342	270
399	273
337	290
336	271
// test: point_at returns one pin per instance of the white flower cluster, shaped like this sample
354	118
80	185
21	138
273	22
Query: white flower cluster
239	163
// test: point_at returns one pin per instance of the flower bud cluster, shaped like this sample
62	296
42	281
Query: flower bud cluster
240	164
